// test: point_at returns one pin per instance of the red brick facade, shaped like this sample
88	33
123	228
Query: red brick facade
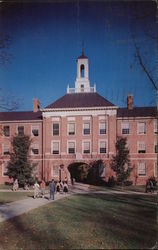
82	127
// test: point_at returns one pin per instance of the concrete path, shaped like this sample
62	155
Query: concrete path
12	209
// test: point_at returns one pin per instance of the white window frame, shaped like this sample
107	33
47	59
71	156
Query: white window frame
86	122
20	125
34	127
34	146
4	166
155	126
52	128
123	126
55	141
139	164
7	145
139	148
155	169
84	141
52	170
138	128
102	122
71	141
106	143
69	127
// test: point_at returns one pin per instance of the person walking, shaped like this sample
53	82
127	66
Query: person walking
52	189
65	189
36	190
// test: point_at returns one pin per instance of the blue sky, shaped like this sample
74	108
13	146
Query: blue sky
47	39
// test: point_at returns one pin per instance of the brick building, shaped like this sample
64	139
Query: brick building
80	127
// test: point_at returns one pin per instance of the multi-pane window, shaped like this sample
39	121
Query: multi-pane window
55	128
6	149
125	128
155	127
102	128
20	130
71	128
55	147
35	130
141	128
156	169
4	169
86	147
141	169
102	147
55	171
86	128
141	147
6	131
35	149
71	147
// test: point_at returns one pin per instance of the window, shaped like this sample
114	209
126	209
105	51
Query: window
125	128
6	131
55	128
86	128
156	151
71	147
35	130
141	169
102	147
55	149
82	88
6	149
71	128
35	149
21	130
102	128
155	127
141	147
155	169
86	147
82	70
4	169
55	171
141	128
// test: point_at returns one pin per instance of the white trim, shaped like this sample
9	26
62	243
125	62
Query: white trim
36	127
8	145
55	119
103	140
68	147
123	122
52	127
138	164
3	135
3	167
86	122
86	118
138	128
71	119
52	147
105	122
83	146
71	122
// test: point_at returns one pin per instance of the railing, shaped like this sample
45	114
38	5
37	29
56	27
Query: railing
81	90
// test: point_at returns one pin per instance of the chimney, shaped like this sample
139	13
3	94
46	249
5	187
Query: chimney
36	105
130	102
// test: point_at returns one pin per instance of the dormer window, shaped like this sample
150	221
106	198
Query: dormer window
82	70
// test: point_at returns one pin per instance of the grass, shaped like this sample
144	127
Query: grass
91	221
140	188
7	197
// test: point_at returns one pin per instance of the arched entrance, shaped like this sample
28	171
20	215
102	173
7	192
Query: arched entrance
79	171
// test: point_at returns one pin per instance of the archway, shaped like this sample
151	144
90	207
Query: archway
79	171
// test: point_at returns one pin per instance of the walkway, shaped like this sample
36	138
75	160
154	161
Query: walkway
12	209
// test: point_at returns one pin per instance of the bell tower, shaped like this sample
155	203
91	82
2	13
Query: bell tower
82	83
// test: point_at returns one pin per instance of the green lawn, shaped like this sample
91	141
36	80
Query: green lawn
6	197
91	221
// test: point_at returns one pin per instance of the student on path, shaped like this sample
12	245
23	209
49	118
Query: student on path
52	189
65	187
58	187
15	185
36	190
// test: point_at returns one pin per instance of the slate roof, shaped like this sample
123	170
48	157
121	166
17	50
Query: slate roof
20	115
80	100
137	112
